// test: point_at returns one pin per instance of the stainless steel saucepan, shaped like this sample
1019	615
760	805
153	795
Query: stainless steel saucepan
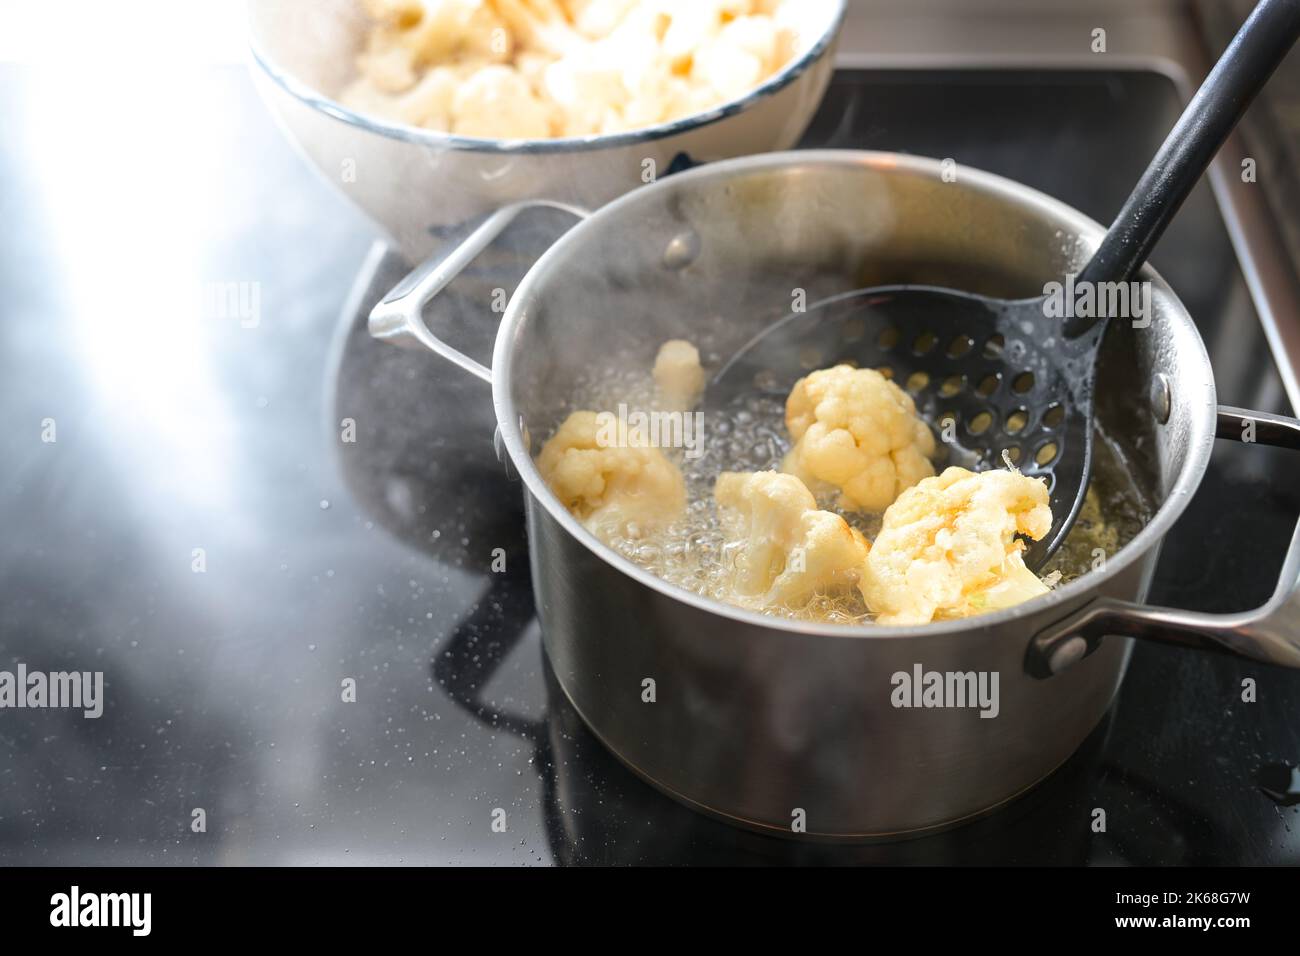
775	723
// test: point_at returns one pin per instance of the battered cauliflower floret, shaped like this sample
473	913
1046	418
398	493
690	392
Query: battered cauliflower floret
948	547
858	431
789	550
678	375
610	477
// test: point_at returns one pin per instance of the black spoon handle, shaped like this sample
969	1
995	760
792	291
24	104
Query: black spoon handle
1260	44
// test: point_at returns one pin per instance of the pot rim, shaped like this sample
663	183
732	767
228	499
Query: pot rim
310	96
1063	599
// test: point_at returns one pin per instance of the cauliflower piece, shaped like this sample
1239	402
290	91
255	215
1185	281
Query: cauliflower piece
444	30
757	35
858	431
597	18
739	58
388	70
496	102
532	67
685	98
690	24
591	66
726	68
789	549
678	375
610	477
588	89
948	547
540	25
403	12
645	72
429	103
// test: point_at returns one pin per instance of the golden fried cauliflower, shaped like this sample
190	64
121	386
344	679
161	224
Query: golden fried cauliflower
948	547
610	477
858	431
678	375
789	549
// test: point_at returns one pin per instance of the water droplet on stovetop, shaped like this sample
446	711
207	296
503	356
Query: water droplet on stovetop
1280	783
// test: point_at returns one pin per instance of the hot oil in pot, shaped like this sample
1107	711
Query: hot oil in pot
750	434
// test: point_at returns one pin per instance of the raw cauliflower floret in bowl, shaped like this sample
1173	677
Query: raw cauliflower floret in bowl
406	111
856	430
788	549
610	477
590	68
948	547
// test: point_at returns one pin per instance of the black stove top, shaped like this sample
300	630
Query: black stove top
326	560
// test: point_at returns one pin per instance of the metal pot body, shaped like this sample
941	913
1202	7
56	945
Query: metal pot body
795	733
788	726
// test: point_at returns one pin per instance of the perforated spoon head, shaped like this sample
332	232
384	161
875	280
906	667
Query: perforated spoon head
996	379
1025	384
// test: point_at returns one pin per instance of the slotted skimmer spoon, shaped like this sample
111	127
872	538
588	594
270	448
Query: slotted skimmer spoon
1018	375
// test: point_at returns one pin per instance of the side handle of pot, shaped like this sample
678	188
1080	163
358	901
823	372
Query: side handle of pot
399	316
1269	633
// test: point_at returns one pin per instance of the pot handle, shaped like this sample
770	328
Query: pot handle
1269	633
399	316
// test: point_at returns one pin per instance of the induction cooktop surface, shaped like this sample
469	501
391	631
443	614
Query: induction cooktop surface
326	561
